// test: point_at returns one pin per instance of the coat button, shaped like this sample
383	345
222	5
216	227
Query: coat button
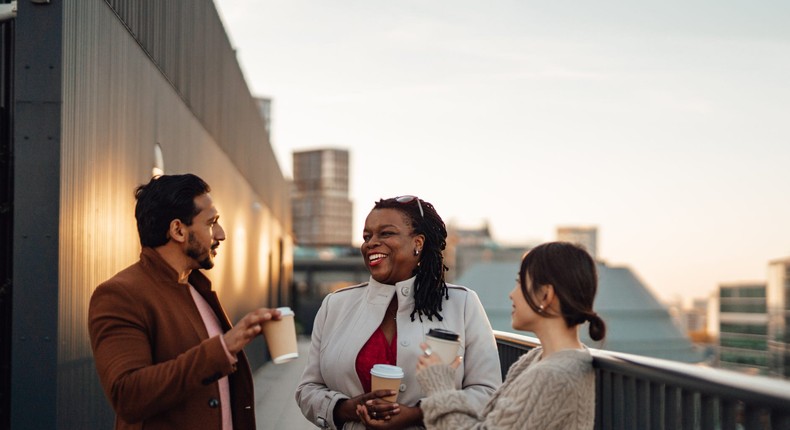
405	342
405	291
213	403
402	387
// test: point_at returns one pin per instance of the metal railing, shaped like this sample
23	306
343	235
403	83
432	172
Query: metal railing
636	392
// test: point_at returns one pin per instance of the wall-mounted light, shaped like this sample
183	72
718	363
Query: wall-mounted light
159	161
7	11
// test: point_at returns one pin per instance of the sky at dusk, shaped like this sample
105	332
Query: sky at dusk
665	125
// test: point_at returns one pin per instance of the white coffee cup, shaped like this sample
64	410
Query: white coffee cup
386	377
444	343
281	336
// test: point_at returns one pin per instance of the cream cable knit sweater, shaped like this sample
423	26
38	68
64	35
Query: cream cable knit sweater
555	393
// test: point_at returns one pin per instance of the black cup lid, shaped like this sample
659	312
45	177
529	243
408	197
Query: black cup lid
441	333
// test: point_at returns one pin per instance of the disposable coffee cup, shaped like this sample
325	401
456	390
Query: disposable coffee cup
281	336
386	377
444	343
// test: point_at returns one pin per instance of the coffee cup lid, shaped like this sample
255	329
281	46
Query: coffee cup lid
386	371
443	334
285	311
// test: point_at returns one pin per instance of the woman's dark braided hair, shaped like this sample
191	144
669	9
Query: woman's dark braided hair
429	285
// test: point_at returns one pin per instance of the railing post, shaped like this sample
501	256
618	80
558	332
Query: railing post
672	408
689	410
729	413
657	406
607	409
598	399
642	404
618	401
710	413
630	402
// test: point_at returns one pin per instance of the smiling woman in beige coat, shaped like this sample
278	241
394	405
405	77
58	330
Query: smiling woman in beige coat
385	320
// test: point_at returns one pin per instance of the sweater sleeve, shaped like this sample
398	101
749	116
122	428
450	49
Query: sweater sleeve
482	374
537	400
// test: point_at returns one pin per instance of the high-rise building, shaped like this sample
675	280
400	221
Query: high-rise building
743	327
693	319
586	237
321	208
778	306
469	246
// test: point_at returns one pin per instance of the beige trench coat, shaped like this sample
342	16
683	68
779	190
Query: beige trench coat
347	319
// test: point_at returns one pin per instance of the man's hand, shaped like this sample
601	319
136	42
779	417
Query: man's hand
247	328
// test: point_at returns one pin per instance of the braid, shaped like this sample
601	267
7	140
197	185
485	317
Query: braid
429	285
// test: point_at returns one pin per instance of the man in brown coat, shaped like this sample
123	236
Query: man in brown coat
166	354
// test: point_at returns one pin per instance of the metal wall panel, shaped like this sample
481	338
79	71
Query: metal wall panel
187	41
6	219
102	157
113	104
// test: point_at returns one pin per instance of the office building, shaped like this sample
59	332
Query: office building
743	327
691	319
321	208
469	246
778	307
586	237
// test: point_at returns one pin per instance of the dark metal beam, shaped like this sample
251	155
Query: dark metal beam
37	123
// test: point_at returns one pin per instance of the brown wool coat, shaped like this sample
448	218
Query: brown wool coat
156	363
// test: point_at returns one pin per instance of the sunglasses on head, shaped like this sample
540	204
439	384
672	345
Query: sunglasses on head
409	199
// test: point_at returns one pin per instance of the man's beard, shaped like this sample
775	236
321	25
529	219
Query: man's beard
199	253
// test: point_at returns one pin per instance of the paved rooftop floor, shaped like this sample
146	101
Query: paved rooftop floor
275	385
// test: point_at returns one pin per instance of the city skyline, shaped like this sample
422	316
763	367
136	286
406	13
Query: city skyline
663	125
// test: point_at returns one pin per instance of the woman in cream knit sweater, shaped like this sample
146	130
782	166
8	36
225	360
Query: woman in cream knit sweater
552	386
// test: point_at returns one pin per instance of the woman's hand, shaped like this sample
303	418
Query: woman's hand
346	410
428	358
407	416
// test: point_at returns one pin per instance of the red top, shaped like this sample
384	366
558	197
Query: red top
375	351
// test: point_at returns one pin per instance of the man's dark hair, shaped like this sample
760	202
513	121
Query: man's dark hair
429	285
162	200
